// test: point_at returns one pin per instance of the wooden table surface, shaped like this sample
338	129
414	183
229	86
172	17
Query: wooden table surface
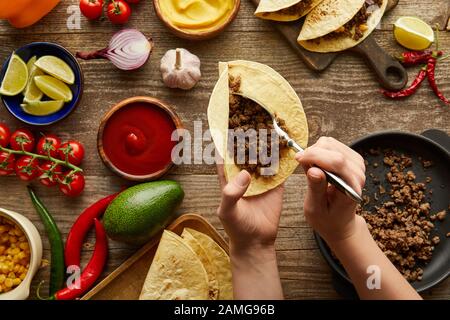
342	102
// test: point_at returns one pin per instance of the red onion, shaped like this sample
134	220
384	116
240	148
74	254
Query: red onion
128	49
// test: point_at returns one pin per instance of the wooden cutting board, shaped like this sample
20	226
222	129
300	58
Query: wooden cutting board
390	73
125	283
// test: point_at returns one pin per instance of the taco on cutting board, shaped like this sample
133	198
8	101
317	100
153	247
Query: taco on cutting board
262	92
284	10
336	25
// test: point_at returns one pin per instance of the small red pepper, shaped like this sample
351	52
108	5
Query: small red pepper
411	89
81	227
93	269
411	58
431	68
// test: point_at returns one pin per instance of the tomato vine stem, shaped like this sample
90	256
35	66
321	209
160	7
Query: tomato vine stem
42	157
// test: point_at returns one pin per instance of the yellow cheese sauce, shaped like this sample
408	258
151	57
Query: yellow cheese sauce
196	14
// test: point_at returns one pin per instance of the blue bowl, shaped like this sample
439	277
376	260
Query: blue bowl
40	49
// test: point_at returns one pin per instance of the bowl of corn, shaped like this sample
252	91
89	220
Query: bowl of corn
20	255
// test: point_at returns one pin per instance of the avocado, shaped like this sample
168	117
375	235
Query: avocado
141	211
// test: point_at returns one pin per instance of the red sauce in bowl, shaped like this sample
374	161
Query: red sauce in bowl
137	138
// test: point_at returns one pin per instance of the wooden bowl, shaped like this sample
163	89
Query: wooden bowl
148	100
197	35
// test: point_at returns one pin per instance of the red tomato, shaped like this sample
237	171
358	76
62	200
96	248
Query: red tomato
6	163
49	143
74	150
72	184
5	134
22	137
118	11
27	168
50	178
91	9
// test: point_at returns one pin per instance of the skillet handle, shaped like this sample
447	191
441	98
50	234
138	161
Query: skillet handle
391	74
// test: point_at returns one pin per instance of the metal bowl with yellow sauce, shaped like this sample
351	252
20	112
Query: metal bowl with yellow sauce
196	19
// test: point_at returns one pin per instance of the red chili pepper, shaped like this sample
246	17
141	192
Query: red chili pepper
431	68
81	227
411	89
411	58
93	269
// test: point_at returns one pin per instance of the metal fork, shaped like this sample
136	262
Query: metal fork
333	179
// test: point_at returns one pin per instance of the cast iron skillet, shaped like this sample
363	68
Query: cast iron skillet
432	145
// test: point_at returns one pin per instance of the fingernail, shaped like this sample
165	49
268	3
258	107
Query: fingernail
314	175
243	178
298	156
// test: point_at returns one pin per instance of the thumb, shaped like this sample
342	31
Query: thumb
316	197
233	191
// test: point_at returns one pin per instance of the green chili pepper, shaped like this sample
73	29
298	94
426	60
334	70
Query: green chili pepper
57	267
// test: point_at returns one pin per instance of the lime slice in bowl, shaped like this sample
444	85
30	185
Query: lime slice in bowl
16	77
413	33
56	67
31	91
53	88
42	108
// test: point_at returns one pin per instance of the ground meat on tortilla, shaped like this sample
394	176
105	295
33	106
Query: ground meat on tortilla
296	8
402	224
246	114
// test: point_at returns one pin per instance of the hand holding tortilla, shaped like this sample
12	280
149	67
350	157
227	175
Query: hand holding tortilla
230	114
251	224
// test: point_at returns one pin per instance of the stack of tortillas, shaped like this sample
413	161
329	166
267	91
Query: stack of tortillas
190	267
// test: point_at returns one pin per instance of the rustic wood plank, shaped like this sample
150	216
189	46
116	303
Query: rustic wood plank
144	18
333	104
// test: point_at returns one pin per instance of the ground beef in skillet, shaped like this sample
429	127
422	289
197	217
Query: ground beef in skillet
402	225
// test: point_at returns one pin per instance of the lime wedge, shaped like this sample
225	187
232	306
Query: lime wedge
42	108
31	91
413	33
16	77
56	67
53	88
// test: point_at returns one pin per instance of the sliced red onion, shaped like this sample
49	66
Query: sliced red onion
128	49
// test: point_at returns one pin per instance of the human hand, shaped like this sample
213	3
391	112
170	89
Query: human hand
327	210
250	222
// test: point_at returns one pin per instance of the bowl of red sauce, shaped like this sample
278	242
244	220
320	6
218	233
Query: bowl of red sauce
135	138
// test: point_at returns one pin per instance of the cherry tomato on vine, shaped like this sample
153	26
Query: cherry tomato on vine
118	11
22	137
50	174
5	134
74	150
7	163
72	184
27	168
91	9
49	143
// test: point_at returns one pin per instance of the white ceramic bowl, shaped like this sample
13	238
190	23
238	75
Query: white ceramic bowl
34	240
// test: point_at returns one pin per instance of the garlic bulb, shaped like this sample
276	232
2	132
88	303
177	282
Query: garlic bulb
180	69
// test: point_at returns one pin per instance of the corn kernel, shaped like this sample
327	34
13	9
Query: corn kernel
8	283
14	255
